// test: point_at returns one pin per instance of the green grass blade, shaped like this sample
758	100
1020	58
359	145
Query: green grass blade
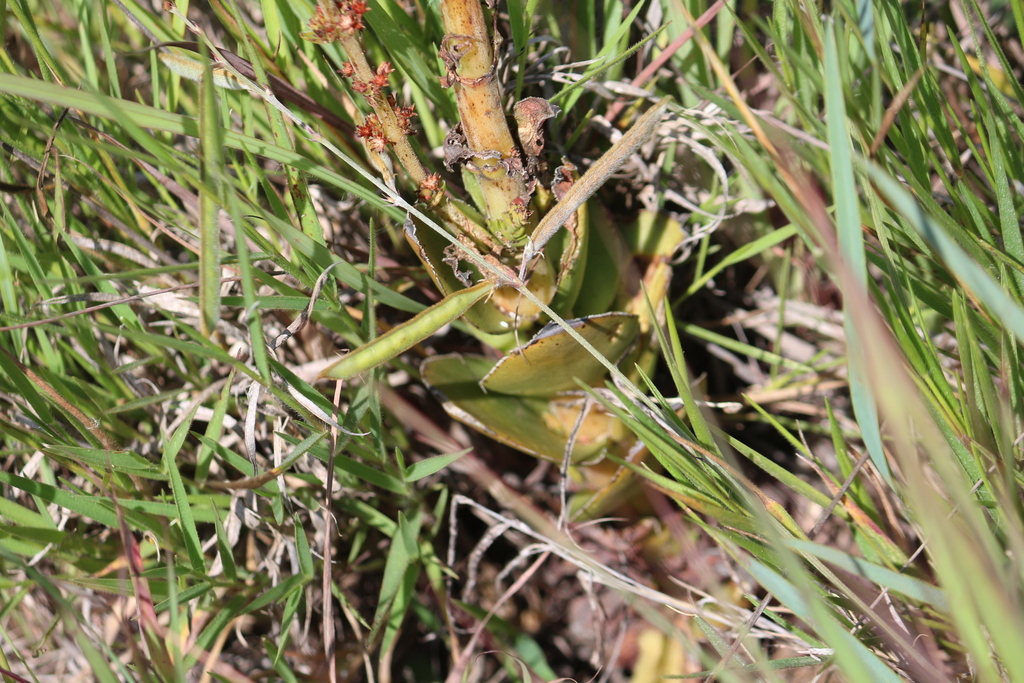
851	244
188	525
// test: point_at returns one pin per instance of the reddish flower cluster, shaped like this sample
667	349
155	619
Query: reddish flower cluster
373	133
336	18
404	115
380	81
375	84
430	189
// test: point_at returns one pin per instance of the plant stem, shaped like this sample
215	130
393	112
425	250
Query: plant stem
378	99
493	155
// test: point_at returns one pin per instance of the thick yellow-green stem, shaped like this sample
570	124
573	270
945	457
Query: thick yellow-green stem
493	155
